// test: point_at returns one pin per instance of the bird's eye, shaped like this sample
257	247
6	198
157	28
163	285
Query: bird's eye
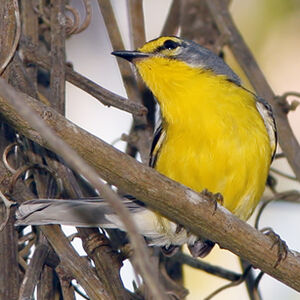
169	44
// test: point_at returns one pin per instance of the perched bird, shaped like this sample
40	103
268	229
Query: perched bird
214	134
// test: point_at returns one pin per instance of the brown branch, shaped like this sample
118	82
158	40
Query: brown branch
140	129
173	200
228	30
288	196
141	134
137	23
76	27
197	24
106	261
206	267
47	286
65	279
33	272
103	95
229	285
250	280
57	54
171	24
117	44
12	12
11	273
10	270
75	265
79	165
9	279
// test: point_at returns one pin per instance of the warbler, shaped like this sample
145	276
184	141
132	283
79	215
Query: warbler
213	135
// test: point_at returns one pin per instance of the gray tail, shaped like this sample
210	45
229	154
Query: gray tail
82	212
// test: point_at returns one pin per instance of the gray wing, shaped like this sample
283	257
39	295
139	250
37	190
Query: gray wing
84	212
266	112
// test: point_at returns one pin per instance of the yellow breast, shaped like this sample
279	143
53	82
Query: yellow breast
216	138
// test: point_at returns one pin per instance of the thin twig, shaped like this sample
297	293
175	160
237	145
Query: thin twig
11	273
279	155
206	267
255	287
142	128
117	44
8	205
23	169
288	94
133	89
65	279
24	252
33	271
88	16
229	285
250	281
171	24
72	24
74	264
283	174
290	196
27	237
103	95
57	55
196	23
137	23
16	38
6	151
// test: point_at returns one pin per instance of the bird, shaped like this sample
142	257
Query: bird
213	135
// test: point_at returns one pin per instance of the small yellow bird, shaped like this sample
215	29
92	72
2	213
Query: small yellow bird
214	134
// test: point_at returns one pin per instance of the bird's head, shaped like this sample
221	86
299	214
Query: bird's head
169	52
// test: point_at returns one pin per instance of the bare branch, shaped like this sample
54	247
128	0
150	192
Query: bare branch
137	23
33	271
106	261
57	55
14	11
206	267
103	95
117	44
74	264
171	24
229	285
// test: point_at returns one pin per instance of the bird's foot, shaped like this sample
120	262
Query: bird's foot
283	248
201	248
215	199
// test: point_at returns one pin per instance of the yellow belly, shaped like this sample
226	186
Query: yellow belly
236	171
226	150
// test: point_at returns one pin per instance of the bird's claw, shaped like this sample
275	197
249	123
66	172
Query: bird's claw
283	248
215	199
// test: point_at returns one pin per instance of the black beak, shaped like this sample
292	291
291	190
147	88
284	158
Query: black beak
130	55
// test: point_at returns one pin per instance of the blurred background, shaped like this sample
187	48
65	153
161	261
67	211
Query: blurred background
271	30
